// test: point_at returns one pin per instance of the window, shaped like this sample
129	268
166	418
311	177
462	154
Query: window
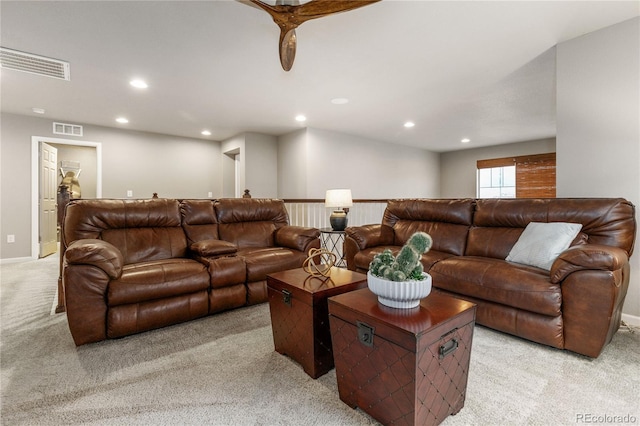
528	176
497	182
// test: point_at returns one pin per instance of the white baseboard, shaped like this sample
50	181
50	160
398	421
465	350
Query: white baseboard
631	320
15	260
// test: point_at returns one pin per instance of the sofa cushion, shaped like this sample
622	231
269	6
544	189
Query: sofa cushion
199	220
250	222
541	243
447	221
133	318
143	230
211	248
148	244
263	261
157	280
248	234
496	280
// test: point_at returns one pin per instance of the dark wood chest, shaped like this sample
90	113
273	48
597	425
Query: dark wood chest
299	314
402	366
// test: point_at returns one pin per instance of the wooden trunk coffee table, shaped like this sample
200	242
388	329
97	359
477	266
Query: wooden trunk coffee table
299	315
402	366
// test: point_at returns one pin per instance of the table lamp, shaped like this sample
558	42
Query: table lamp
340	200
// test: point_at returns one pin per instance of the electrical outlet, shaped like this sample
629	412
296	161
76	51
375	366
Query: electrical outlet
11	238
129	193
210	194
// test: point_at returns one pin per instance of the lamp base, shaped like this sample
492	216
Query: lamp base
338	220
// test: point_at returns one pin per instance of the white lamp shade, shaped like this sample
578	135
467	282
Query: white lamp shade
338	198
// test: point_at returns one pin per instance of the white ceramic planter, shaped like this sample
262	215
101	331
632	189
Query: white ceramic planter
399	294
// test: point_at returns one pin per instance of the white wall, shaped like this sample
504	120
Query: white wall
598	123
458	168
371	169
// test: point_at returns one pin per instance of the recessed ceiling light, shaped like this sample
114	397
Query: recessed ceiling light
122	120
139	84
206	133
38	110
465	140
301	118
409	124
339	101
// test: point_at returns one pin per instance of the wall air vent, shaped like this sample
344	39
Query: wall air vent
34	64
67	129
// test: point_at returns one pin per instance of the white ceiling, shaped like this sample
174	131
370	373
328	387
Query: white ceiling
482	70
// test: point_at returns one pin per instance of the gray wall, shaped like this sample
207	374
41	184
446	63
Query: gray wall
142	162
261	171
314	160
598	123
458	168
234	151
257	164
292	161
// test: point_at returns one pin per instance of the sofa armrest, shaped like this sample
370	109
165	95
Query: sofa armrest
98	253
212	248
88	267
358	238
370	235
298	238
585	257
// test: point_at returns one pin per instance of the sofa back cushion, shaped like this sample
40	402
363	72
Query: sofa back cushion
250	222
498	223
447	221
142	230
199	220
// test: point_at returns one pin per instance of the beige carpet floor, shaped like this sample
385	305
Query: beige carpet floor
222	370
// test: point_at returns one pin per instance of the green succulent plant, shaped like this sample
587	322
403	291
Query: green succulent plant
406	265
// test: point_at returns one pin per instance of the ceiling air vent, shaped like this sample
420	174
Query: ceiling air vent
67	129
34	64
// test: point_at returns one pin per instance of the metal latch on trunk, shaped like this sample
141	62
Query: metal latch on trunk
448	348
286	297
365	334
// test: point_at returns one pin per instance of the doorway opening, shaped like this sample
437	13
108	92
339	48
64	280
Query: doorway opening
231	174
36	172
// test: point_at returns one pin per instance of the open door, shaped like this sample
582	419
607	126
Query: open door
48	235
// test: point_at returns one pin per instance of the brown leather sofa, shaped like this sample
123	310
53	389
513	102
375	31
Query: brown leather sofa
576	305
134	265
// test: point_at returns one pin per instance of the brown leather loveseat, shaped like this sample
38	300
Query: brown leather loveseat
576	304
134	265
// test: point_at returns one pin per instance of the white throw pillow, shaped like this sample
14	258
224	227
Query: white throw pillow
541	243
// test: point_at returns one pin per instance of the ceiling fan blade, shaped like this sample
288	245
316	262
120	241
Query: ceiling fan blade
293	15
288	41
289	16
283	15
319	8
